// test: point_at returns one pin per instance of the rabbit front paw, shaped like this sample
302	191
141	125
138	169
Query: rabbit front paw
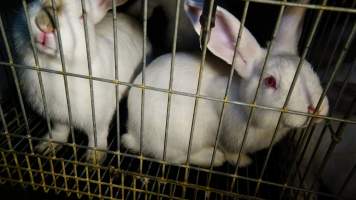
244	159
95	156
45	147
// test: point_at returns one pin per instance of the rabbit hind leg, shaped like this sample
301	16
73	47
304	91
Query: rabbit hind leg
204	156
244	159
59	133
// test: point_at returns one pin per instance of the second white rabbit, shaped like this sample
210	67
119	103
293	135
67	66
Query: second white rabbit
276	82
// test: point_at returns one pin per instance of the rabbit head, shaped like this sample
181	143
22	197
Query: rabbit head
70	24
280	69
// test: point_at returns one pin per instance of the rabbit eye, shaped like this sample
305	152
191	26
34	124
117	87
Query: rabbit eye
271	82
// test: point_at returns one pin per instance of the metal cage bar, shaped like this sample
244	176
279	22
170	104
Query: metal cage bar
145	180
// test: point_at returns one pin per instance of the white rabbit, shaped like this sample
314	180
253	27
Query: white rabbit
277	78
71	26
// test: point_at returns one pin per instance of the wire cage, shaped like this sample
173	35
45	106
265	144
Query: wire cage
293	168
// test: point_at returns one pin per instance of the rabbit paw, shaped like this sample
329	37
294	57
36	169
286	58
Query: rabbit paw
203	157
95	156
244	159
45	147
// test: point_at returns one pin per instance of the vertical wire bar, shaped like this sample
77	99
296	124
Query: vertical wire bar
6	130
42	174
117	92
6	164
326	31
134	187
32	180
122	186
8	138
87	180
65	177
39	76
333	75
312	156
17	85
65	78
175	35
99	182
252	109
200	76
293	166
306	144
343	88
111	186
227	90
54	182
337	43
143	81
87	45
347	180
300	64
196	102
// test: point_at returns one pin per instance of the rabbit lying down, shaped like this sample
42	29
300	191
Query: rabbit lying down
101	41
279	72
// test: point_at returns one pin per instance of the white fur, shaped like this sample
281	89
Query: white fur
74	49
215	77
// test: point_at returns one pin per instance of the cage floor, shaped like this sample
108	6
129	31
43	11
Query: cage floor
124	175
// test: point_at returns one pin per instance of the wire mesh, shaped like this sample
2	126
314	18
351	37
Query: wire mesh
124	175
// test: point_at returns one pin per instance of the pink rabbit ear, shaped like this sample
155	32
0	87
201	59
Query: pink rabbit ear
223	39
290	29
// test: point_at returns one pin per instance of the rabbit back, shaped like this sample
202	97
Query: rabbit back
186	71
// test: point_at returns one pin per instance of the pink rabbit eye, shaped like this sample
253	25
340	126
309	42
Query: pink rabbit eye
271	82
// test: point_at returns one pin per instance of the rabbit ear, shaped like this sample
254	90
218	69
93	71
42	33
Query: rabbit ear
290	29
107	4
100	8
223	39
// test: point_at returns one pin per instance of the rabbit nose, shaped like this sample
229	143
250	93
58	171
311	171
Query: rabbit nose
44	22
311	109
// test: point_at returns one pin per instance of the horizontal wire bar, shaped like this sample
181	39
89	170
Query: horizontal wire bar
4	64
84	164
309	6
